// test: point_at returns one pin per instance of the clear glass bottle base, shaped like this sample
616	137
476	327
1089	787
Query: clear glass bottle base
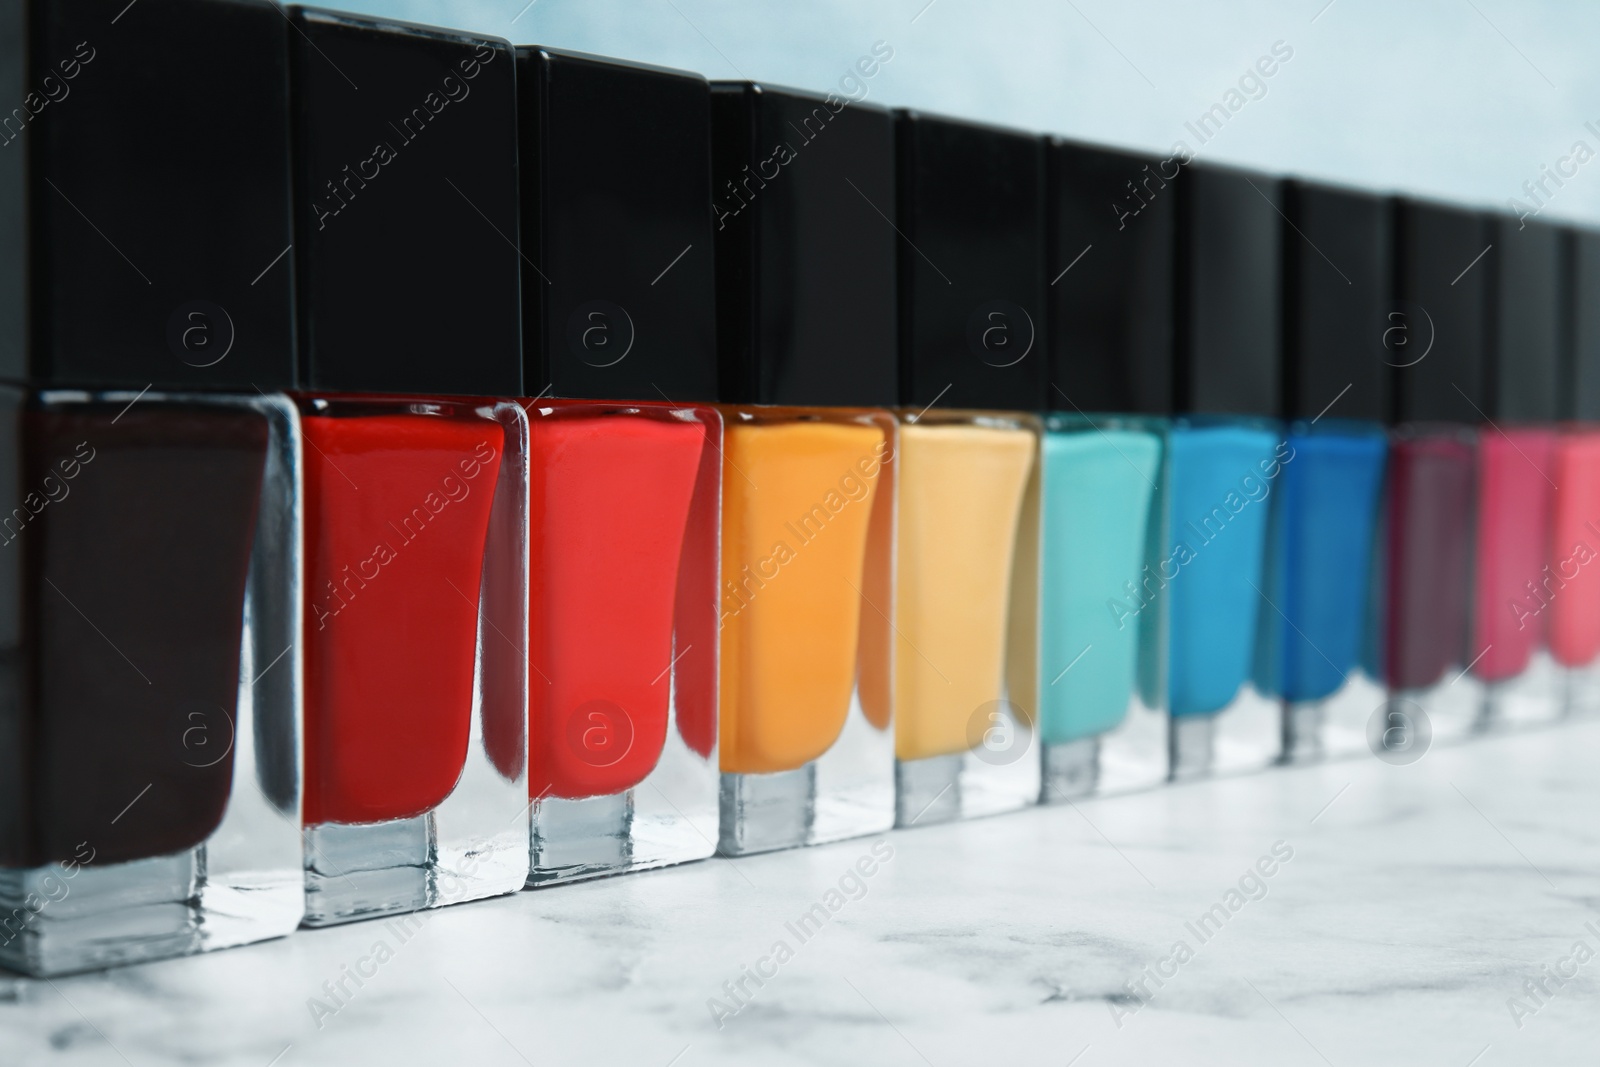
1071	770
1334	727
765	812
390	868
57	922
597	836
1131	757
966	786
1193	752
1453	709
1302	731
1247	734
1530	699
1578	689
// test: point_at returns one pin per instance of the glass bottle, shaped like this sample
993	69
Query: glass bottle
1436	340
620	363
1104	456
970	214
806	314
1227	454
1326	551
1574	623
416	466
150	779
1519	448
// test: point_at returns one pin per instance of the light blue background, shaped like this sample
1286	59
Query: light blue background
1462	99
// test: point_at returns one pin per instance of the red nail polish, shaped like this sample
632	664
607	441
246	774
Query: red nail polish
624	465
1516	488
149	785
1574	567
415	477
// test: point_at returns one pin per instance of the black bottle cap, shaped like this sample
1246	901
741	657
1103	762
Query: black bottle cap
405	207
1582	326
1111	217
1337	270
143	195
618	301
970	211
805	260
1525	280
1441	291
1229	298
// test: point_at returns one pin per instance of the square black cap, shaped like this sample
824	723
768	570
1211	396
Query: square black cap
1525	278
970	211
616	221
1441	293
1337	270
805	260
405	143
1581	320
143	194
1111	225
1229	292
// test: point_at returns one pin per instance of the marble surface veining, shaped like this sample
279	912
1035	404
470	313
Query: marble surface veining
1412	907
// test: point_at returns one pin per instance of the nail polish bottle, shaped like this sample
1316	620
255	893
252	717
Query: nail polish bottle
1320	636
1435	341
1227	455
149	515
803	191
408	308
1104	505
970	211
1517	453
1574	609
620	367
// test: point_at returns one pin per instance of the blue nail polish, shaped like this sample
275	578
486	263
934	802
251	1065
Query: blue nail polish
1320	639
1228	459
1223	477
1324	558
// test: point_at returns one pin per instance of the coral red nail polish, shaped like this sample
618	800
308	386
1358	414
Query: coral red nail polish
1571	587
415	476
149	520
624	465
1516	484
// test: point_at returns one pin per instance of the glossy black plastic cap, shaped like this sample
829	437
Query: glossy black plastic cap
805	262
143	195
1229	292
1525	279
1582	326
616	221
1438	343
1337	269
972	257
405	208
1111	217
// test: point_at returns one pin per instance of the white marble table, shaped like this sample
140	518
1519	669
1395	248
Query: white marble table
1417	901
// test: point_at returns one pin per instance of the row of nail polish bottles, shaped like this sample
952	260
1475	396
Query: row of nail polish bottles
495	509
